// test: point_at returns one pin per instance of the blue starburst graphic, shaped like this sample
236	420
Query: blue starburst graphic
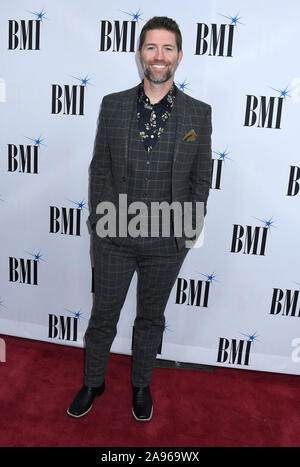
234	19
37	141
80	204
167	327
1	199
223	155
135	16
267	223
210	277
251	337
183	85
40	15
282	92
84	81
37	256
77	314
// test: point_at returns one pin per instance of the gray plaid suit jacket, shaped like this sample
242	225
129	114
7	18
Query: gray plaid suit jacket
192	162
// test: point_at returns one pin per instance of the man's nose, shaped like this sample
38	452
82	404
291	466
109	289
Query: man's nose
159	55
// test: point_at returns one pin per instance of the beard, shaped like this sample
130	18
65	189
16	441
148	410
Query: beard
163	79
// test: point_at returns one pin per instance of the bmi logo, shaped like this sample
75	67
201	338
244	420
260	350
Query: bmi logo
26	34
64	327
68	99
263	111
217	167
66	220
216	39
117	35
194	292
293	185
285	302
249	239
235	351
24	158
24	271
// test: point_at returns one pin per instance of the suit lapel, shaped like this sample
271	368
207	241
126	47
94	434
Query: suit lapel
128	107
182	121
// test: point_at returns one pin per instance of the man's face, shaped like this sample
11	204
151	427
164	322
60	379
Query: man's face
159	55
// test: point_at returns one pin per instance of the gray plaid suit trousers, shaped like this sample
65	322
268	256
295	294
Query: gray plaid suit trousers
113	271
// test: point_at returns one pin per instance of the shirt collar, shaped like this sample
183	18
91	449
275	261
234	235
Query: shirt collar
167	101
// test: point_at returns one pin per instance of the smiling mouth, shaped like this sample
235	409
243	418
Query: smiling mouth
159	67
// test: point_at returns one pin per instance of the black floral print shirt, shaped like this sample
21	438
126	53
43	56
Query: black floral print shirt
152	119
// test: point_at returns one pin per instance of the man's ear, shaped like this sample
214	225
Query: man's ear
180	55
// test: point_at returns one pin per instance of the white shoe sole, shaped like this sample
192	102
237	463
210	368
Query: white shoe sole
81	415
142	419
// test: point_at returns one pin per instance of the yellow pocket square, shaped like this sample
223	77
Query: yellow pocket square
190	136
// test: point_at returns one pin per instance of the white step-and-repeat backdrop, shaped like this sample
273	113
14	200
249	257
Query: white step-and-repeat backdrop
236	300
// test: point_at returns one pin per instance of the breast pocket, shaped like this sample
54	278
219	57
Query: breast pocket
188	149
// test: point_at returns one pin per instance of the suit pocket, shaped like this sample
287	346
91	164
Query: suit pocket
189	144
188	150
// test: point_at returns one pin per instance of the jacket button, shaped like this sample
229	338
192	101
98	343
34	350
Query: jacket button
123	179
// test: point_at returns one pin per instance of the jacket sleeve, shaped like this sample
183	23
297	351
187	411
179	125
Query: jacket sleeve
100	165
201	171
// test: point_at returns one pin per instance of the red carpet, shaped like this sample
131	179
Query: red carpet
226	407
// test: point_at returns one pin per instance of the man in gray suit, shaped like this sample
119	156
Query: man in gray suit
153	144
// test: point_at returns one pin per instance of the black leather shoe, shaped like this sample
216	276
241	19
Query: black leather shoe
142	408
83	402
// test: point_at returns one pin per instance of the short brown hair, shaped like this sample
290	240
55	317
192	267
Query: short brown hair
161	22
